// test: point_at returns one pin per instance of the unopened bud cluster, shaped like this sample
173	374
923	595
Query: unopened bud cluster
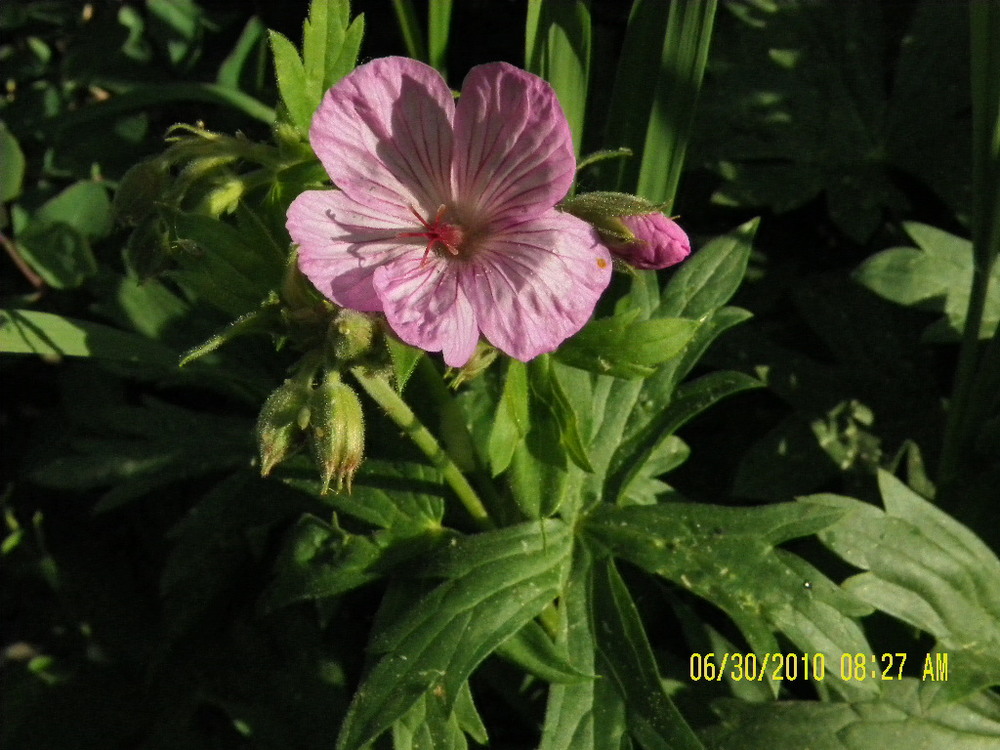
327	416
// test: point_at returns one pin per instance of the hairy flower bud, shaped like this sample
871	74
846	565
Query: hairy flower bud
337	431
278	426
635	230
659	242
351	333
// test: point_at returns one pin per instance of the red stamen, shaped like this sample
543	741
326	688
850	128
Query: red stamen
440	232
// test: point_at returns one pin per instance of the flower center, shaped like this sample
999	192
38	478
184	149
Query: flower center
440	233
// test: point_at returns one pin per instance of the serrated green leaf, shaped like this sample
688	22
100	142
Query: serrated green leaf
728	556
495	583
627	659
569	414
907	714
928	570
689	400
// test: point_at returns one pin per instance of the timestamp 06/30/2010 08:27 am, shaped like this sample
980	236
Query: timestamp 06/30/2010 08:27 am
716	667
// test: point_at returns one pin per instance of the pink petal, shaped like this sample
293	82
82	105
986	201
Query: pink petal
426	306
341	243
384	135
536	284
513	147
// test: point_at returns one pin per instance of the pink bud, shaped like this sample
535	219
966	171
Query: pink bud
659	242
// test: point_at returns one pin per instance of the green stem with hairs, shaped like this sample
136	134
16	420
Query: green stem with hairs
400	413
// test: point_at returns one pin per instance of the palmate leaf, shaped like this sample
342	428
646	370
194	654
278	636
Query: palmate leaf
729	557
907	714
937	276
495	582
928	570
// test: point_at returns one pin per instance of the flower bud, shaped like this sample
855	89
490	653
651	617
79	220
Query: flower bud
351	334
337	431
481	359
659	242
278	427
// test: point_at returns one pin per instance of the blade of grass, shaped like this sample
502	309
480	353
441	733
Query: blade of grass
557	46
682	66
413	36
438	29
978	377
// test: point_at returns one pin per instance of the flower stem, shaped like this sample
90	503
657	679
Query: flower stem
401	414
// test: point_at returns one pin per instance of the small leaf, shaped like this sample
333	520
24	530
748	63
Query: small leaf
532	650
292	81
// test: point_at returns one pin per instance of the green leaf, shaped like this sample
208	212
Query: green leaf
689	400
11	165
58	253
625	347
588	714
378	497
710	277
938	276
675	86
413	35
495	583
729	556
48	335
438	33
321	560
642	486
569	414
532	650
627	659
557	48
928	570
292	81
237	66
510	424
404	360
908	713
330	43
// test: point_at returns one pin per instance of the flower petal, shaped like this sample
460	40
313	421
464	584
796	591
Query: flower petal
536	284
384	135
513	147
425	304
341	243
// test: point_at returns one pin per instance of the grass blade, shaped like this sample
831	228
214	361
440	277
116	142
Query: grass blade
557	47
413	36
438	29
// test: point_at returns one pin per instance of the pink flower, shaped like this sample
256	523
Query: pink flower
659	242
445	216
